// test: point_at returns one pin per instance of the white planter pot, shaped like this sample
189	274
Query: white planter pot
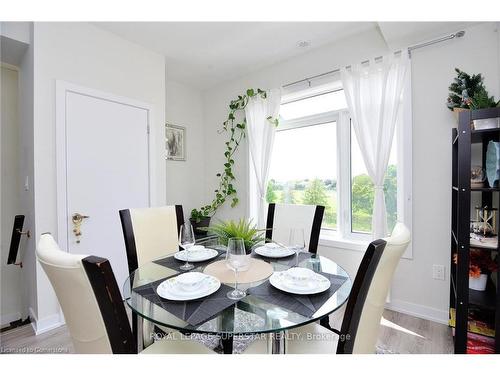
478	283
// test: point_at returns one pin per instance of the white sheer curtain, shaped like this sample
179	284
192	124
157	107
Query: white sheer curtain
260	133
373	92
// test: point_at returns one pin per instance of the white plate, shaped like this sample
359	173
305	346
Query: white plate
274	251
169	289
196	255
318	284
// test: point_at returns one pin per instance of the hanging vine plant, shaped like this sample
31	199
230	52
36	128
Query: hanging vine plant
236	131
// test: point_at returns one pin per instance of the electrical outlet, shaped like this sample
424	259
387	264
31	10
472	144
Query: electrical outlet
438	272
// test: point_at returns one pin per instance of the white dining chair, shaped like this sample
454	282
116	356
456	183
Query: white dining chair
361	322
93	309
150	233
283	217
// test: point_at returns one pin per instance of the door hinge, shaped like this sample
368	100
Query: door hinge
147	129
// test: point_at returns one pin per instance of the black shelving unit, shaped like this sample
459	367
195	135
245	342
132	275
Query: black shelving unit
461	297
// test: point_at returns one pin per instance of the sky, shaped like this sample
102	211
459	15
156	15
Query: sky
310	152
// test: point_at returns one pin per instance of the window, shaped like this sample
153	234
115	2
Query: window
304	169
313	105
317	160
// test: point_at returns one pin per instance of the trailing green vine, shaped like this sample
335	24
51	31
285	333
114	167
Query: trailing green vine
237	132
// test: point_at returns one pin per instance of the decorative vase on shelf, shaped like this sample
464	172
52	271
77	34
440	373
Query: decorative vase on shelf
478	283
493	163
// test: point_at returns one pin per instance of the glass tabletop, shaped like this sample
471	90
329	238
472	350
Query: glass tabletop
250	315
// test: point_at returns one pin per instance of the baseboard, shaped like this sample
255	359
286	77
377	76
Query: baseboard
7	318
419	311
45	324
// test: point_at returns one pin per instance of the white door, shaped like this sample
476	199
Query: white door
105	168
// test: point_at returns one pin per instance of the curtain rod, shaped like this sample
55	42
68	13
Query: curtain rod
458	34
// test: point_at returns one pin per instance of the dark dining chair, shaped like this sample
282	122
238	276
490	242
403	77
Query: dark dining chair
283	217
361	323
92	305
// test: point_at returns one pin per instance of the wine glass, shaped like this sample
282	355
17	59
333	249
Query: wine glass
236	260
186	240
297	242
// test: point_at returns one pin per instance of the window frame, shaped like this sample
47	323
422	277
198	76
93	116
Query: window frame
343	236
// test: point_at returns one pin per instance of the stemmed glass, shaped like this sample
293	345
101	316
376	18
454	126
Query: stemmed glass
236	260
186	240
297	242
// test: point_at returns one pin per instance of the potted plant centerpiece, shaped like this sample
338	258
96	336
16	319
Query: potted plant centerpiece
481	265
242	228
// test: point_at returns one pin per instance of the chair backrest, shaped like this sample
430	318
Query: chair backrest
150	233
283	217
361	324
89	297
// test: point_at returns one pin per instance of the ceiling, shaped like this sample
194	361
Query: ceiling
202	54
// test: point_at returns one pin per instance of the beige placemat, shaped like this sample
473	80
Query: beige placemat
259	270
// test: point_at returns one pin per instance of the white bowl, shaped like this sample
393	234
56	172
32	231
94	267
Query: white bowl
190	281
299	275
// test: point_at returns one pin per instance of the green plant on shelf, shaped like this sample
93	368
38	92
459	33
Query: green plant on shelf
468	92
481	99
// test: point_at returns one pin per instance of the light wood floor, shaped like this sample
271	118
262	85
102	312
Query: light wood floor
399	333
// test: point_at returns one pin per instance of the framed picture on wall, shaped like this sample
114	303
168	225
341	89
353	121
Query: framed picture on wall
175	142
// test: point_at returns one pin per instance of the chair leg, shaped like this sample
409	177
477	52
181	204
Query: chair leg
134	326
325	322
227	344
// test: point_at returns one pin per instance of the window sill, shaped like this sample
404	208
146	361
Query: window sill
334	240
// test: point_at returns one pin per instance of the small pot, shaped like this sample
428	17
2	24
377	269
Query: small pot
478	283
456	112
203	223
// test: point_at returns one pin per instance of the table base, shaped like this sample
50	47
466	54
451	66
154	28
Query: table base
276	343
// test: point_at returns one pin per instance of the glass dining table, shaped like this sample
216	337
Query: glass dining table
262	311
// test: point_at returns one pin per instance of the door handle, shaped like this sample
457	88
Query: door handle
77	220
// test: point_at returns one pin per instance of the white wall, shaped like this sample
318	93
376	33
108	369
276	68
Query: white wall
27	168
414	291
88	56
11	293
432	73
185	179
216	102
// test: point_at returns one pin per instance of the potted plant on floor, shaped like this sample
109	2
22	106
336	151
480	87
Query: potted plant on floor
244	229
236	130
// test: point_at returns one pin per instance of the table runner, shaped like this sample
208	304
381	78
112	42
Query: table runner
171	262
194	312
305	305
